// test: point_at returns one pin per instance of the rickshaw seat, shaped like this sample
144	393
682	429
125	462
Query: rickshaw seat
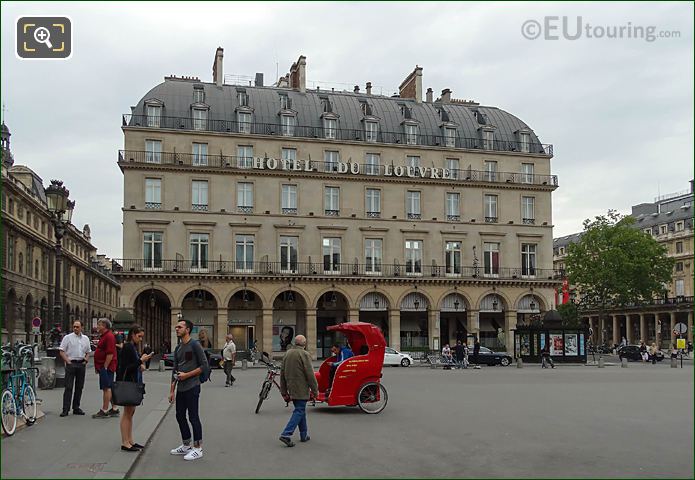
364	350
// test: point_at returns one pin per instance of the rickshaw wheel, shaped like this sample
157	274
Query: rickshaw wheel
372	397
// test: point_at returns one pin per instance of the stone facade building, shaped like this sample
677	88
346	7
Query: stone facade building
268	211
89	291
669	219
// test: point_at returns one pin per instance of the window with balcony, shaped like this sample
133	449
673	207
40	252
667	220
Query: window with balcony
490	174
680	288
244	197
330	128
453	207
453	258
153	193
679	247
200	119
288	253
331	255
199	195
200	154
289	157
449	137
371	131
330	160
198	95
242	98
243	122
244	253
287	124
199	244
153	151
373	203
413	257
488	139
412	205
528	210
152	249
411	133
373	161
524	142
491	208
331	199
527	173
289	199
154	116
453	165
491	259
663	229
528	259
373	255
244	156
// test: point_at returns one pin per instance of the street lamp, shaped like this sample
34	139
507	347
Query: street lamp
60	209
494	304
416	304
456	304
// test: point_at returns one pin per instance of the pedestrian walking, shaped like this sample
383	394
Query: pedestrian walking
105	362
297	380
460	355
229	355
652	353
189	362
476	351
130	370
74	350
643	351
147	350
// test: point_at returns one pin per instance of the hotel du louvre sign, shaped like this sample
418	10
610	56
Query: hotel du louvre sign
352	168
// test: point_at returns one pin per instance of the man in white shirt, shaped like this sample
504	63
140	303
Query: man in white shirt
74	350
229	354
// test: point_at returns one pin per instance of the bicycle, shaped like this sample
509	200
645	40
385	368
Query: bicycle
18	397
270	380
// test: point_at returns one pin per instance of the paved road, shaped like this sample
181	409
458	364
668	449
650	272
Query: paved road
493	422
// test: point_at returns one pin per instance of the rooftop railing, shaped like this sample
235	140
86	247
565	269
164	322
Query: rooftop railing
247	163
333	134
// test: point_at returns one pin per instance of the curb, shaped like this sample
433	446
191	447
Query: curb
21	424
122	463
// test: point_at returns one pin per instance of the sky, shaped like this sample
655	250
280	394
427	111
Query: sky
618	111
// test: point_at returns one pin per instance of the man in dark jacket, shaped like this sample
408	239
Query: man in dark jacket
476	352
460	355
296	381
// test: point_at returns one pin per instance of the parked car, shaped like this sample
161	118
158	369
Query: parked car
488	357
214	358
631	352
394	357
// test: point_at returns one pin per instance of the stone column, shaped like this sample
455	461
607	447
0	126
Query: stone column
690	326
174	320
221	327
628	329
353	315
673	326
602	328
509	327
657	330
266	330
643	328
311	337
433	327
473	323
616	329
395	328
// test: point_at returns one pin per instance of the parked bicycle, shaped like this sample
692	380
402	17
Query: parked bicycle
18	397
270	380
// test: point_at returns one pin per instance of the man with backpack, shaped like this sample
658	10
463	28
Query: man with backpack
191	368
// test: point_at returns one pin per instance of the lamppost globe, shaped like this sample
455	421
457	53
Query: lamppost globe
60	208
57	197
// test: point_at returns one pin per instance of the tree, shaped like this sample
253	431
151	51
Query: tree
570	315
617	264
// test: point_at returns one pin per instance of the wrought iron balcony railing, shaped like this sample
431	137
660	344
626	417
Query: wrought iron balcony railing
271	269
333	134
247	163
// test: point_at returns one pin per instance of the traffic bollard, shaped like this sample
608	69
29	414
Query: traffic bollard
161	365
623	363
600	362
674	362
519	363
244	364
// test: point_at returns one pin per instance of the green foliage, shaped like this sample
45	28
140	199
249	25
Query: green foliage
615	263
570	315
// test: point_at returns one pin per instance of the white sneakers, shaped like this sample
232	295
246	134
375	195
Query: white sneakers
188	452
194	454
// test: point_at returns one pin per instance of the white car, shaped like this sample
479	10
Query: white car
394	357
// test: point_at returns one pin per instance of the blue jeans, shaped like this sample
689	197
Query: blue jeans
188	401
298	418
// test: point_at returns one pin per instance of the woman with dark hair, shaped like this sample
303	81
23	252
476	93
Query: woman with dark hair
130	369
286	336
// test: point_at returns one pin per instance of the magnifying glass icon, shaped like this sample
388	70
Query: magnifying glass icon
43	35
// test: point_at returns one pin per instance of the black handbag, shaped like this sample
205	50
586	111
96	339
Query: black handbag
127	394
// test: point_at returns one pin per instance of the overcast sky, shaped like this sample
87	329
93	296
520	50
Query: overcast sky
619	111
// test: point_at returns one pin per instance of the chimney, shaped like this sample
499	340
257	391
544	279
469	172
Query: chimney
369	88
446	96
357	89
429	95
217	72
691	186
259	79
412	85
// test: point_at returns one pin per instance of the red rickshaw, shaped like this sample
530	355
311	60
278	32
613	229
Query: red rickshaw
357	380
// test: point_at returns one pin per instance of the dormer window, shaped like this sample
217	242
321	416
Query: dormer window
285	102
326	105
200	119
449	137
243	99
366	109
487	136
154	115
330	128
198	94
287	125
411	133
524	142
244	122
371	131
